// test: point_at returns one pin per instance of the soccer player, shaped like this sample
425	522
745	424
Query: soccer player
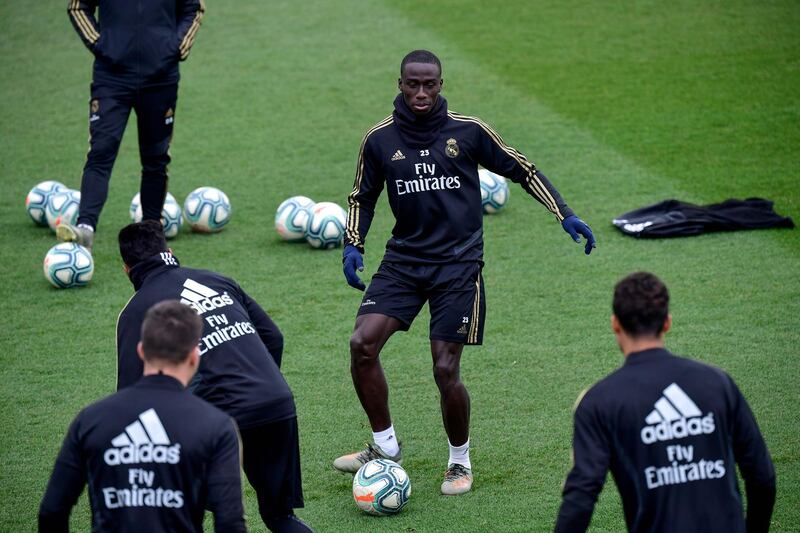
671	430
155	457
240	356
427	157
136	48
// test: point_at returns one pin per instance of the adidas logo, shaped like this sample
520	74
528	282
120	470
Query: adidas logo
462	330
203	298
143	441
675	416
398	155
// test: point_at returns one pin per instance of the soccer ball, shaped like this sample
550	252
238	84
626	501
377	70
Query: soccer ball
326	226
68	265
207	210
381	487
63	207
171	218
494	191
291	219
36	201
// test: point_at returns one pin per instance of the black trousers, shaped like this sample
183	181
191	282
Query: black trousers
271	462
109	109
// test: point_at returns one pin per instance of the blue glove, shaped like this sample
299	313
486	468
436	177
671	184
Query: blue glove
574	226
352	261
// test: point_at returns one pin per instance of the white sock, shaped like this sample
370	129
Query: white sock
387	441
86	226
460	454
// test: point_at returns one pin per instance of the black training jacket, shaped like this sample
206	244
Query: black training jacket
672	431
137	42
673	218
240	350
155	457
433	188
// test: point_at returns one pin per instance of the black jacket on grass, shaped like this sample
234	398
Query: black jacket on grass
673	218
240	350
137	42
672	431
155	458
429	166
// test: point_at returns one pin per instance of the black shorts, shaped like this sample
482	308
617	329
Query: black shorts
271	462
454	292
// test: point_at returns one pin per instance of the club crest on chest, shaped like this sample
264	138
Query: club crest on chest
451	148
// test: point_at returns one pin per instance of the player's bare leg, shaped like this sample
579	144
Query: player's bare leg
455	414
369	336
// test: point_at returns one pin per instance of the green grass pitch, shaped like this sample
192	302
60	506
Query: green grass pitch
621	104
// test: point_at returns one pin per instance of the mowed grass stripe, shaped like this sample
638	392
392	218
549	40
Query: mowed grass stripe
697	90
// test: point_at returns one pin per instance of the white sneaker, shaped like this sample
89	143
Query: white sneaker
457	480
352	462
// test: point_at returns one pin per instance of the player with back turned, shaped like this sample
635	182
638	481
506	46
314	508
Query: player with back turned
427	158
671	430
154	456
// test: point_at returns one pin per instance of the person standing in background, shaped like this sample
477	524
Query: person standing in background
137	47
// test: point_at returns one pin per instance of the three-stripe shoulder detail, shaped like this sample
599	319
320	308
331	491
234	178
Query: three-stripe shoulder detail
382	124
353	212
85	26
533	181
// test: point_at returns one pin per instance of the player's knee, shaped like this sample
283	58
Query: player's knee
362	349
102	153
155	157
446	374
155	164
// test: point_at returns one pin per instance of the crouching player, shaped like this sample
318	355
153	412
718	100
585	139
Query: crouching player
240	356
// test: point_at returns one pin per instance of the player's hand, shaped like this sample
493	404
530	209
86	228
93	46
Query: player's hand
575	226
352	261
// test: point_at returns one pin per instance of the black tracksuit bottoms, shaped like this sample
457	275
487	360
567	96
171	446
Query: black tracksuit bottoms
109	109
271	462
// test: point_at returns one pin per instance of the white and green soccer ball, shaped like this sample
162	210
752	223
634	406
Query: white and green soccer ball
68	265
171	218
326	226
62	207
207	210
381	487
292	217
36	201
494	191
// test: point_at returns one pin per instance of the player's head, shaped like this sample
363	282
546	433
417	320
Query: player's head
141	241
170	333
641	306
420	80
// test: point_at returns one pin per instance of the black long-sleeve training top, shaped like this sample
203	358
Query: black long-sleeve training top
155	457
672	431
240	350
433	186
137	42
